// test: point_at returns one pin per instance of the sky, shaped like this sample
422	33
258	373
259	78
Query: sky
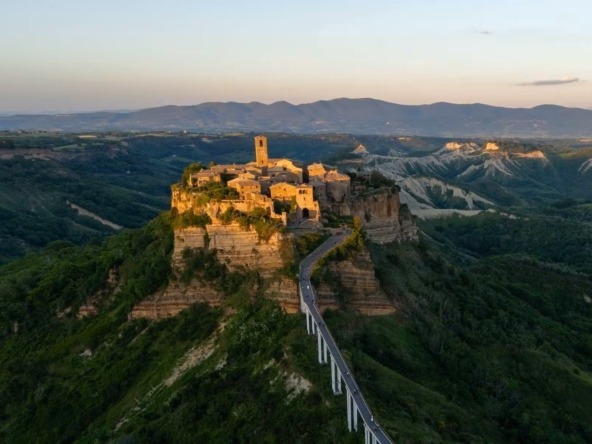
84	55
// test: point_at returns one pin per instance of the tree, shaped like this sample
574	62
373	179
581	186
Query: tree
194	167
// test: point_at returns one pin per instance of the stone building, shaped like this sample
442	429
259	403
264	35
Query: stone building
338	186
286	166
245	186
203	177
307	208
330	186
267	180
261	155
316	171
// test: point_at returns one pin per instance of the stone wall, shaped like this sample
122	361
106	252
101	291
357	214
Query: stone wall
183	201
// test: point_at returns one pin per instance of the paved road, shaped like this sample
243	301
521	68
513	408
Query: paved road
306	267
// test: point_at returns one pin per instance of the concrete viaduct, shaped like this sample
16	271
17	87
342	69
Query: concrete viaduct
328	352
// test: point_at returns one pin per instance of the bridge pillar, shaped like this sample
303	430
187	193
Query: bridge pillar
325	351
303	306
320	345
335	377
355	413
307	313
333	381
369	436
349	411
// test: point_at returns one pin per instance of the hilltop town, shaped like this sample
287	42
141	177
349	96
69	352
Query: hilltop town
249	214
297	196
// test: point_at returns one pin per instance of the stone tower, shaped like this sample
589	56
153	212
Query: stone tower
261	151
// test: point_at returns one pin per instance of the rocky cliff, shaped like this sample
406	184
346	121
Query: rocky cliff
285	291
175	298
381	215
237	248
243	250
383	218
353	283
92	304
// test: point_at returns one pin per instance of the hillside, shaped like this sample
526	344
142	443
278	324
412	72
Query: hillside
486	345
208	375
357	116
474	174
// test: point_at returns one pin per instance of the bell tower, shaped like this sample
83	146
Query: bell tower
261	151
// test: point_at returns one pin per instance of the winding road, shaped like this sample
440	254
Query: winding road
374	432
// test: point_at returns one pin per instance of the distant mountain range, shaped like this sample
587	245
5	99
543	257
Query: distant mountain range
356	116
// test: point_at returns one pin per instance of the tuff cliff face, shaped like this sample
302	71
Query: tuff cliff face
356	286
381	215
175	298
91	306
285	291
239	250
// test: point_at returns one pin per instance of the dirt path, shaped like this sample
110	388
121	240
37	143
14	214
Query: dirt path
82	212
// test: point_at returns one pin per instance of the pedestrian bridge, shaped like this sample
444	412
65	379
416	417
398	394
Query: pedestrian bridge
328	352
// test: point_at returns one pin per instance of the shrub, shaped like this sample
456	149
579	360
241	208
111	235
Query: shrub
195	167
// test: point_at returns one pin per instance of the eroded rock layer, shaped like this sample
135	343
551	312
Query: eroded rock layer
285	291
358	287
239	249
175	298
381	215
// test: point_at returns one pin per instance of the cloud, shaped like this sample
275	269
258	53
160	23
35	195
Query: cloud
484	32
561	81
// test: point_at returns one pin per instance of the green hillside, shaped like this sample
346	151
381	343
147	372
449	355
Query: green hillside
486	347
208	375
492	340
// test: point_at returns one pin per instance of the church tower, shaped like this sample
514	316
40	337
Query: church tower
261	151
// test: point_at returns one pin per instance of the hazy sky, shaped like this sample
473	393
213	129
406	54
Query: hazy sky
67	55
